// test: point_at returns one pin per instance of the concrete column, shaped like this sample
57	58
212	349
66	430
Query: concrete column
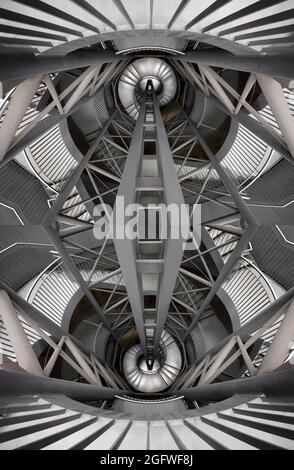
20	101
279	348
275	97
25	355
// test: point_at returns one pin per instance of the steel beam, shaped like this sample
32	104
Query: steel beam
174	248
276	384
280	65
196	278
125	248
23	66
13	382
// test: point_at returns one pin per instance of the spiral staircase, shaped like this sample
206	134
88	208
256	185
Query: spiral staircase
155	343
43	423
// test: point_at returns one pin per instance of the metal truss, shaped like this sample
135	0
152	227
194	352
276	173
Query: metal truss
187	172
84	363
277	317
212	84
15	136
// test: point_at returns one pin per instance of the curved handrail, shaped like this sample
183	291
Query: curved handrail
249	290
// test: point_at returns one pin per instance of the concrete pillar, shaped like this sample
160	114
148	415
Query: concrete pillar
25	355
275	97
279	348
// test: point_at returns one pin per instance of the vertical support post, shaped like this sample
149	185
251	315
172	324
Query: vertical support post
25	355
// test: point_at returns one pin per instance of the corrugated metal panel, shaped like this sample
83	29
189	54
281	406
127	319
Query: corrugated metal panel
22	263
102	114
274	257
276	186
199	343
51	158
24	191
199	108
101	339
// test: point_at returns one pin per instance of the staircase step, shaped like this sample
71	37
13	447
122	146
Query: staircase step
257	438
280	416
25	399
227	441
22	406
208	438
164	372
280	429
278	406
186	438
160	437
136	438
39	439
112	438
82	438
12	431
26	416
